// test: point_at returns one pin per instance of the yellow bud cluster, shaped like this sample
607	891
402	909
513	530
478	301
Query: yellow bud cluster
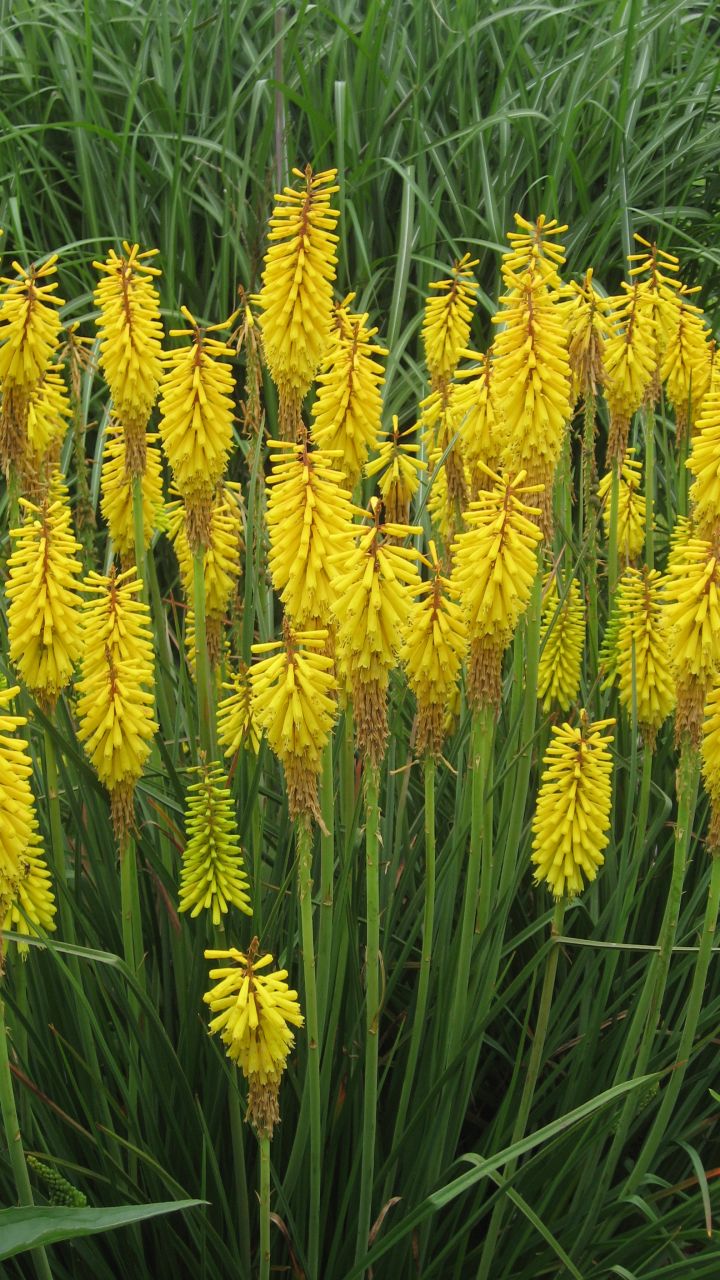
659	288
441	419
638	652
116	483
294	705
572	817
711	763
236	726
532	248
631	508
48	413
684	369
42	589
399	468
308	517
693	618
478	415
587	328
115	691
433	654
704	464
495	562
295	301
26	899
130	332
562	637
221	561
448	315
253	1013
348	408
631	354
213	875
29	324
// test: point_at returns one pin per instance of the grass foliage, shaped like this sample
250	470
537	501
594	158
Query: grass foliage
159	122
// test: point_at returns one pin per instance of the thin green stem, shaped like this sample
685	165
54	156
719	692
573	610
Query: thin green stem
613	531
487	867
327	879
372	1006
456	1022
650	486
52	784
588	522
13	1137
202	661
518	780
139	535
304	853
264	1271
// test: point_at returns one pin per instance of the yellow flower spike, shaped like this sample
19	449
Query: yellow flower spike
704	464
130	331
116	485
433	654
26	899
693	620
399	468
631	508
636	651
572	816
479	419
48	414
711	763
42	590
221	561
495	563
253	1014
294	704
685	369
532	381
213	875
115	690
448	315
441	417
236	726
296	299
631	358
309	521
443	513
659	284
587	326
196	419
348	408
562	637
377	580
29	336
532	248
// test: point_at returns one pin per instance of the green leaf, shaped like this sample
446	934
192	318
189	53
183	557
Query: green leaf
29	1228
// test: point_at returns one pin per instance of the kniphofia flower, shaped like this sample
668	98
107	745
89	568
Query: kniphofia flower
253	1014
479	420
587	327
297	292
637	652
42	590
116	483
433	654
631	357
29	336
213	874
711	763
348	407
236	726
562	636
704	464
221	563
441	419
448	315
685	369
534	249
572	816
399	468
48	413
26	899
631	507
693	619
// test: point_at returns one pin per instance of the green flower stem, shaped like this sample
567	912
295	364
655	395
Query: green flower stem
650	486
139	535
13	1138
528	1093
588	521
264	1272
372	1006
692	1015
347	777
485	898
304	852
327	878
419	1029
237	1139
57	841
613	531
202	661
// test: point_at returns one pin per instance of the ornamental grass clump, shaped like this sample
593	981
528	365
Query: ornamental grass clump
572	816
213	876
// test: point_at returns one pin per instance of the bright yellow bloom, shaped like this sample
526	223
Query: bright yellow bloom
693	618
348	408
480	423
26	898
115	691
433	655
48	413
659	290
221	562
377	579
253	1014
562	638
532	381
29	335
196	419
213	875
495	562
532	248
448	315
42	589
637	651
131	333
631	357
309	521
294	704
704	463
572	817
297	292
441	417
399	468
443	513
236	726
587	327
711	763
116	484
685	369
631	508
